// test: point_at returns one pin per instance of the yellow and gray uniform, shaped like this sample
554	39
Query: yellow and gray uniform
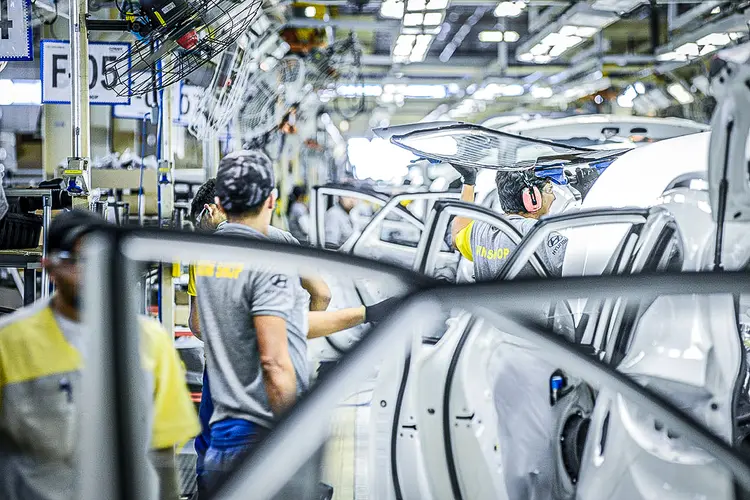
489	248
40	375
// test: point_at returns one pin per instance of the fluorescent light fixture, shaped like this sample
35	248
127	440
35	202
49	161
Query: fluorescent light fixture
416	56
708	49
310	11
424	91
490	36
512	90
587	31
436	4
639	87
539	50
412	19
719	39
557	50
400	59
680	93
402	50
541	92
671	56
411	31
406	40
616	5
525	57
511	36
433	18
412	5
735	36
423	40
716	10
392	10
542	59
371	90
509	9
689	49
20	92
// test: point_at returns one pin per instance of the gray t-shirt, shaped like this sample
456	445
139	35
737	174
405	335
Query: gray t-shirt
298	221
228	298
490	248
339	226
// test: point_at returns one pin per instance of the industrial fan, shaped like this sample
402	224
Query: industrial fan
224	95
272	96
338	69
174	38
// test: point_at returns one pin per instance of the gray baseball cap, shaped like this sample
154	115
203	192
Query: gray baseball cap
244	180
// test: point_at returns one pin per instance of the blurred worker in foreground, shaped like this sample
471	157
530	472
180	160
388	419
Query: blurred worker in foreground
209	216
42	351
338	222
524	198
298	214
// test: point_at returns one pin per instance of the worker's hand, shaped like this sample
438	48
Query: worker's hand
378	312
468	174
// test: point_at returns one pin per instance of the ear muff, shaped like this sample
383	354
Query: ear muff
532	198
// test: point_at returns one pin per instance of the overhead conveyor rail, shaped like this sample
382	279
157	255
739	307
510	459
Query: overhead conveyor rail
111	464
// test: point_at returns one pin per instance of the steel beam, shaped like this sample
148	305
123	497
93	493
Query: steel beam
347	23
79	88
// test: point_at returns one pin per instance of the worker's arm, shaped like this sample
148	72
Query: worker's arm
322	323
320	294
459	223
163	461
278	371
193	319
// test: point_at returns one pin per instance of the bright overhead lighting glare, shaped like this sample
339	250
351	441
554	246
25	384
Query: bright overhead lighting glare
542	92
509	9
587	31
557	50
437	4
719	39
406	40
735	36
392	10
680	93
568	30
639	87
433	18
625	100
310	11
511	36
708	49
413	19
542	59
671	56
689	49
415	5
402	50
490	36
716	10
525	57
416	57
539	50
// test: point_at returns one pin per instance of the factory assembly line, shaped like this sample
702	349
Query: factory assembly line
374	250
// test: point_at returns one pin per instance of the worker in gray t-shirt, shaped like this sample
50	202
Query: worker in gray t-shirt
338	222
524	198
254	322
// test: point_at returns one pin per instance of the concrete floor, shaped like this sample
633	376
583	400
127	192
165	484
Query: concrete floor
345	459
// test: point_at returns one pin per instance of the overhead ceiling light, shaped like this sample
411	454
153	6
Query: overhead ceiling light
616	5
586	31
680	93
392	9
539	50
716	10
671	56
412	5
525	57
310	11
511	36
689	49
423	40
625	100
411	31
719	39
412	19
402	50
639	87
557	50
708	49
433	18
406	40
509	9
542	59
436	4
490	36
416	57
542	92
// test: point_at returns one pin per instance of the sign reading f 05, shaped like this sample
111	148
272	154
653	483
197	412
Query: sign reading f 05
56	72
15	30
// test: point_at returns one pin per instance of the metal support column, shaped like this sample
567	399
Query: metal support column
79	78
46	218
166	281
29	286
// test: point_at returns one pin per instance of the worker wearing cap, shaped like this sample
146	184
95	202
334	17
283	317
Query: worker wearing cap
42	350
524	198
208	215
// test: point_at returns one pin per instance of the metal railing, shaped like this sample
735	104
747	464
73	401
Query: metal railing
113	463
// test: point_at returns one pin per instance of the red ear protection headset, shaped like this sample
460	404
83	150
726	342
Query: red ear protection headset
531	196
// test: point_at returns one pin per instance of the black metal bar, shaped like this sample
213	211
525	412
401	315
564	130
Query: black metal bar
655	27
29	286
107	25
